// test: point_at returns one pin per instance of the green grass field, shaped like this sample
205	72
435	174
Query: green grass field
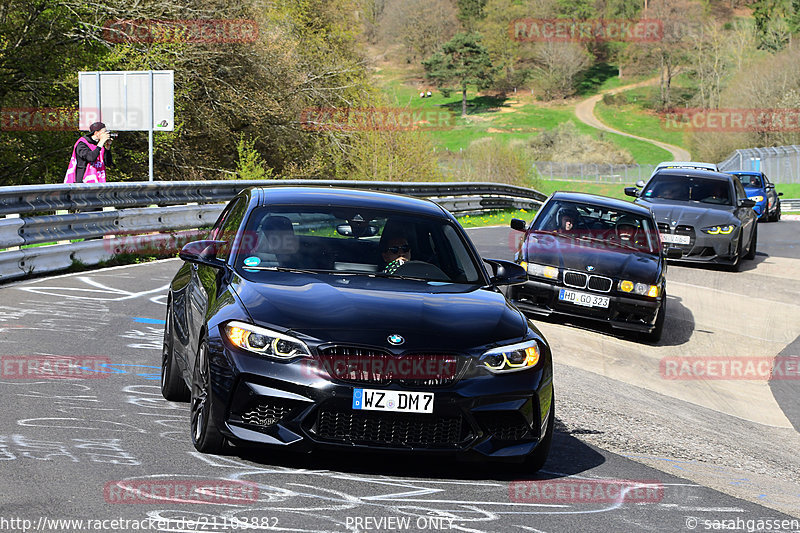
516	117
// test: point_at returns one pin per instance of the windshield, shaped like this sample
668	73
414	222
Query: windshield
750	180
322	239
599	225
689	188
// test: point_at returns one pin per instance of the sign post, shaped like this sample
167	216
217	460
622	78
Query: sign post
131	100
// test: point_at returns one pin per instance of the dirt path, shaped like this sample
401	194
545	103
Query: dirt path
585	113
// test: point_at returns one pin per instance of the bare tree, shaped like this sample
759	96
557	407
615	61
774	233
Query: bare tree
422	26
557	66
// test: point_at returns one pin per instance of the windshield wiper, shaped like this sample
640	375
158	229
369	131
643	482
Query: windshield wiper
286	269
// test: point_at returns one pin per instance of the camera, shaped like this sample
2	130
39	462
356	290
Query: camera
113	134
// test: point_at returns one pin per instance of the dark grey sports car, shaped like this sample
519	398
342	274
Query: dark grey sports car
706	215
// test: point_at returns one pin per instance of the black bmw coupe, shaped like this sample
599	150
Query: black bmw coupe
594	257
346	319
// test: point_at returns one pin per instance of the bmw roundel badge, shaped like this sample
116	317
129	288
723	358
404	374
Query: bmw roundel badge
396	340
590	268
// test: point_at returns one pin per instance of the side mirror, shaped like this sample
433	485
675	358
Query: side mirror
632	191
673	253
780	194
203	253
640	184
506	272
518	224
747	202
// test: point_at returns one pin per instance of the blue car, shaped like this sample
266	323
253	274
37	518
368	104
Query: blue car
759	188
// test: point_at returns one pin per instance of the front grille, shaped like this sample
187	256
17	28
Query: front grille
575	279
600	283
399	430
686	230
679	230
505	425
267	412
581	281
376	367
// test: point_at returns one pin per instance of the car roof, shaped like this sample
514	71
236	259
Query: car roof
686	164
343	197
744	172
694	173
600	201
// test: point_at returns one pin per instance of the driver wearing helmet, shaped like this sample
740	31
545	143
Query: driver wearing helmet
626	230
567	220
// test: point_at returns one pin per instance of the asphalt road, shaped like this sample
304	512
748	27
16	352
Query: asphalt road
689	455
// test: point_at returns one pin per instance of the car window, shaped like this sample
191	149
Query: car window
230	227
327	239
689	188
216	229
598	224
740	192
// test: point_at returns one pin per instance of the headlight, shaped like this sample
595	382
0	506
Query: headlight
757	198
717	230
642	289
513	357
265	341
540	271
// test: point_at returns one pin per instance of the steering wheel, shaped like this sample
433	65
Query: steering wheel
421	269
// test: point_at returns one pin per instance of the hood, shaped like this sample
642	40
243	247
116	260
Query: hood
695	215
366	311
754	191
606	260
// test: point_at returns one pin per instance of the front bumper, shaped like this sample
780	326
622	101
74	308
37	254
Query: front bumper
705	248
623	312
298	406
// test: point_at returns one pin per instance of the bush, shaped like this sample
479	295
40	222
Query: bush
566	144
490	159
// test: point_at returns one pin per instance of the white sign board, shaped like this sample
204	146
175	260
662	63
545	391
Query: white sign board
127	100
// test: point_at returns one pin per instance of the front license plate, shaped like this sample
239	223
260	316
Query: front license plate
675	239
392	400
583	298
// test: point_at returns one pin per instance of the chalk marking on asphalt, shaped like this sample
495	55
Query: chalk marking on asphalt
73	274
121	294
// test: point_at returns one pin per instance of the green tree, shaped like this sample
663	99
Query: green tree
577	9
463	60
470	12
775	20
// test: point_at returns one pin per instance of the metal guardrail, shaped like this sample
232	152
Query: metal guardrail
791	204
592	172
150	217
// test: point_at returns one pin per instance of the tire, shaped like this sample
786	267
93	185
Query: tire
535	461
777	216
738	262
205	434
751	251
658	328
173	387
